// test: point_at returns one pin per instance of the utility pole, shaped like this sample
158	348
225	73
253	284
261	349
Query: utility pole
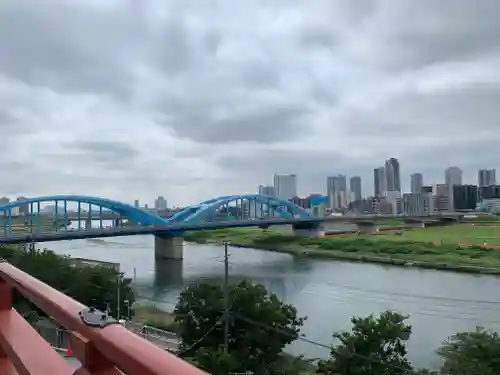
226	298
118	279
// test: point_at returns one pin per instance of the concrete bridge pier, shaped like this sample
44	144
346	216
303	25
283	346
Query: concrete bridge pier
308	230
366	227
168	247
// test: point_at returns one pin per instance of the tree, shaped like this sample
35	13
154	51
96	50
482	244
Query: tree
89	285
260	327
471	353
375	346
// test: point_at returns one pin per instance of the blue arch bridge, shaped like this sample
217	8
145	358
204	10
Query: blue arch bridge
71	218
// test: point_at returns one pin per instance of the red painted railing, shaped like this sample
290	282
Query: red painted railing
101	351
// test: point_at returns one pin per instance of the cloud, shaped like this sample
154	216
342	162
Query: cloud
129	99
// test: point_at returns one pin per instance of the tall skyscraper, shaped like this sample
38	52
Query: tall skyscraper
392	173
266	190
285	185
486	177
453	176
136	203
355	185
416	183
160	203
379	181
336	191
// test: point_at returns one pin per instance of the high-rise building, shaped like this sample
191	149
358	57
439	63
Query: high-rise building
336	191
355	186
417	203
489	192
486	177
416	183
427	189
285	185
465	197
266	190
379	181
443	197
136	203
392	173
160	203
453	176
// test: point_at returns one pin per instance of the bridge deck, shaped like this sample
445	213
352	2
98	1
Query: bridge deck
176	229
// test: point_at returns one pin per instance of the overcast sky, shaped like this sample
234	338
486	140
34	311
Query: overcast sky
192	99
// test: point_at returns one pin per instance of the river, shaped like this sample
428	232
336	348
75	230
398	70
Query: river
327	292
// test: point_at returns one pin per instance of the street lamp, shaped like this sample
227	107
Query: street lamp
127	303
119	277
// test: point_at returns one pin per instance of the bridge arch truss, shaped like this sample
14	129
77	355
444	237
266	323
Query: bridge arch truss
249	207
84	211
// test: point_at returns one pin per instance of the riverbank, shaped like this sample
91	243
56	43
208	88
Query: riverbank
390	249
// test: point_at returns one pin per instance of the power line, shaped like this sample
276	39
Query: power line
202	338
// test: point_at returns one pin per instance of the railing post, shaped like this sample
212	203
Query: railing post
5	304
90	357
5	296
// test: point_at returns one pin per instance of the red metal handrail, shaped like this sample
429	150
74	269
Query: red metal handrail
100	350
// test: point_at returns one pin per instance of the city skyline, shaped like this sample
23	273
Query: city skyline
452	175
334	88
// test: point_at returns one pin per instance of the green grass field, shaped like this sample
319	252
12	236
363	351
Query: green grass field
413	245
456	234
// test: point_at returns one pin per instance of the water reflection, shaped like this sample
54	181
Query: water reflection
168	273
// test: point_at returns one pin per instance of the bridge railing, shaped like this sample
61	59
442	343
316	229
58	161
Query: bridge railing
101	349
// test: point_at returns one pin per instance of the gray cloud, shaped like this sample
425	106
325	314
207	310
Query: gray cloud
190	100
410	34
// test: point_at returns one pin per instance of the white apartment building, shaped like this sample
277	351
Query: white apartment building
417	203
443	197
285	186
393	198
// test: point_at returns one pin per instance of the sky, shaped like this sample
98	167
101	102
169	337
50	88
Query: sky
192	99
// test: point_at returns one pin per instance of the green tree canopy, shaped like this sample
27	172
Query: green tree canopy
260	327
471	353
90	285
375	346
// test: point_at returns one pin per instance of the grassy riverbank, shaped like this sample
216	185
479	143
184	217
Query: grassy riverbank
411	247
152	316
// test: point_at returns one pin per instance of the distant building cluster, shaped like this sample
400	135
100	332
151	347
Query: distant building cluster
24	209
160	204
388	197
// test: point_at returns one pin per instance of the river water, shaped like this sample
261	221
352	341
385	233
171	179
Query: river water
327	292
